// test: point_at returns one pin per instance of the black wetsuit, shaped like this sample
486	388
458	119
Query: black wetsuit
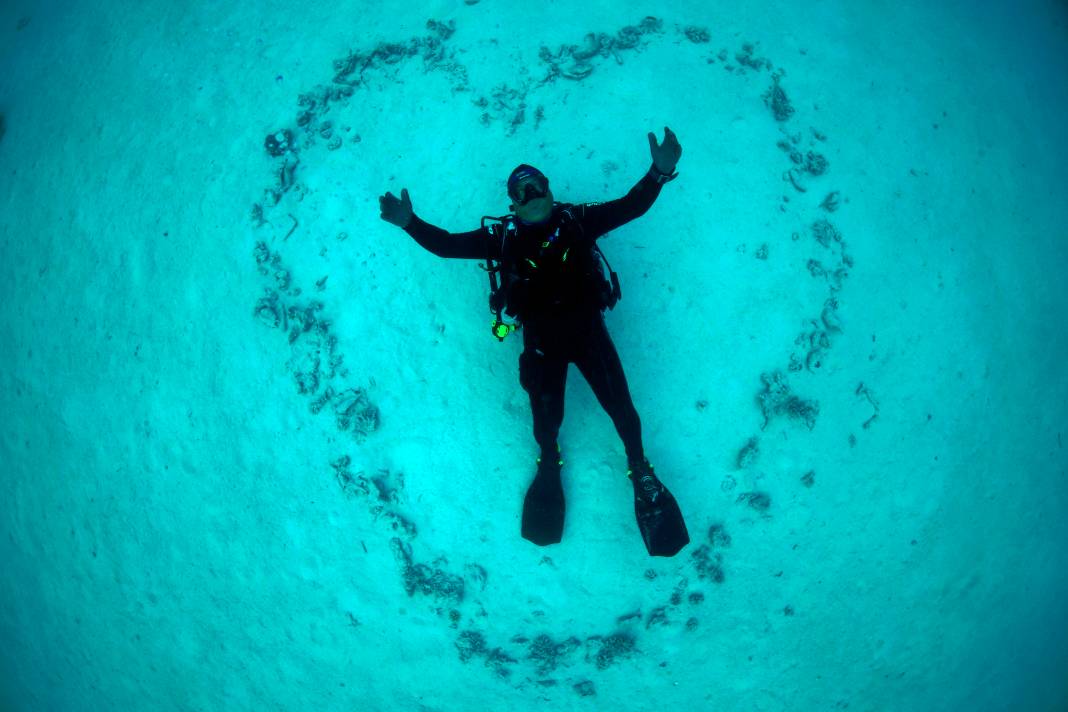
561	314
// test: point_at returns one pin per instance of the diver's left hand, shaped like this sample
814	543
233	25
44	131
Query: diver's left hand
666	154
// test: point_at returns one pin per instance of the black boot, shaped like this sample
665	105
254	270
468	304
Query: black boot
659	519
543	507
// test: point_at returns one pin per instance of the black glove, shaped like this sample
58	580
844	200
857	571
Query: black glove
394	210
665	155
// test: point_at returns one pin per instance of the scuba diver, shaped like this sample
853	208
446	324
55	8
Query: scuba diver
553	284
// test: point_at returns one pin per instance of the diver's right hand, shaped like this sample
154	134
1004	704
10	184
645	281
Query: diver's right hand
396	210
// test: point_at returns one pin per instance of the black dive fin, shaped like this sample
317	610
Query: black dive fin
543	508
659	518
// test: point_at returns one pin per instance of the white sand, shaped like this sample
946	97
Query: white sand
173	533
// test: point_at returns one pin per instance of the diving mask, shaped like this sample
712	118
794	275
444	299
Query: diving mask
531	189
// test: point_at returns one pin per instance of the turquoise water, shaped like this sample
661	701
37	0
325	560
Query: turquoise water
261	451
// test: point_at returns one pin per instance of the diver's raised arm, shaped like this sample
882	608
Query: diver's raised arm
599	218
463	245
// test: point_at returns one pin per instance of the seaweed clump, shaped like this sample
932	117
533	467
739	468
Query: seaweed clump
471	644
547	653
421	578
776	399
776	100
610	648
